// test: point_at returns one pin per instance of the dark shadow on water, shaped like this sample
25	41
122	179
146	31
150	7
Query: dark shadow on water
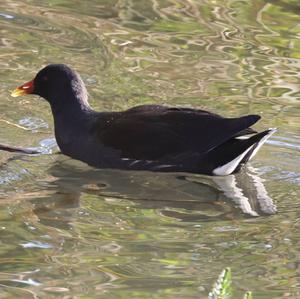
183	196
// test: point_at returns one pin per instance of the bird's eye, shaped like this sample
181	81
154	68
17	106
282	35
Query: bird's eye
45	78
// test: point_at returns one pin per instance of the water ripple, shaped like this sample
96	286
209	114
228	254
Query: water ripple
36	244
6	16
120	234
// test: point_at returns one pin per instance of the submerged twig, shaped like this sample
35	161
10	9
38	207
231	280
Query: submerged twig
16	149
13	124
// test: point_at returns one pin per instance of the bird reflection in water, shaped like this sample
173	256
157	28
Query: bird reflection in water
183	196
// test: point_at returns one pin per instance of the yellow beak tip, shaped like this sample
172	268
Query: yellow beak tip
17	92
13	94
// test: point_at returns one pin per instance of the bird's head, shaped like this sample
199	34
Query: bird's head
56	83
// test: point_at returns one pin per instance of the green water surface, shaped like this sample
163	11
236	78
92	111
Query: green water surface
70	231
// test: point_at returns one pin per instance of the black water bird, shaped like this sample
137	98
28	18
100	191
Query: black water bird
147	137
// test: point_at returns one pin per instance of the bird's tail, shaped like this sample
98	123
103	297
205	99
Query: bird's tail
229	157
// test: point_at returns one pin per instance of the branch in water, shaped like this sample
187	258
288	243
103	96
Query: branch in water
15	149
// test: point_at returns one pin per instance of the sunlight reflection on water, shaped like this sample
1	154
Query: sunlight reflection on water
71	230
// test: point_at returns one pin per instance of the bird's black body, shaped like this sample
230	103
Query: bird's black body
148	137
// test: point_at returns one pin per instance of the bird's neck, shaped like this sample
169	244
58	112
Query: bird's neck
72	128
71	107
71	121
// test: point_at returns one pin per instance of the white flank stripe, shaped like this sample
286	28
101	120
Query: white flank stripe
244	137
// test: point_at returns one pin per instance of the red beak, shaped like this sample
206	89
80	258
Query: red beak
23	89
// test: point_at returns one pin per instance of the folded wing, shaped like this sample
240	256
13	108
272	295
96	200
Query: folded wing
154	132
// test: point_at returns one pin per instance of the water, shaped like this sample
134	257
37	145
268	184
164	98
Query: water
70	231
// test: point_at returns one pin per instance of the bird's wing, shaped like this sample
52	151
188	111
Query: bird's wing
153	132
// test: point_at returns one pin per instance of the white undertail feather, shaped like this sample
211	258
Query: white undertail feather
262	141
229	167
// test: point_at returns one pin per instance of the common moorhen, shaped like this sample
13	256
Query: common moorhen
147	137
